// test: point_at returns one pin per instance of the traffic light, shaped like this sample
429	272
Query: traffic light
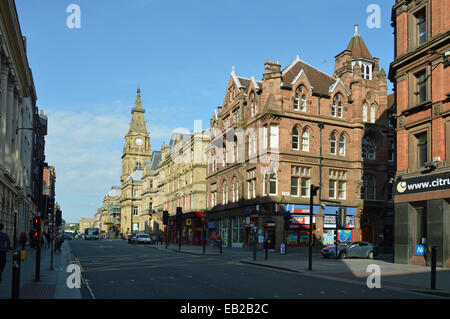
342	218
58	217
36	222
179	217
50	207
165	218
287	220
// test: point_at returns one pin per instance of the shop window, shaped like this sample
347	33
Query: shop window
421	226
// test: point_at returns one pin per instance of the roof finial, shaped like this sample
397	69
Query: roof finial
356	29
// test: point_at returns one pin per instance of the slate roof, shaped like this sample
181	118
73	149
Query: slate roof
320	81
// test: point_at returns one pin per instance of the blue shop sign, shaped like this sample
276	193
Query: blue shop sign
420	250
212	225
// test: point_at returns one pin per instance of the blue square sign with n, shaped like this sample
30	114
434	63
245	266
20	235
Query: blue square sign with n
420	250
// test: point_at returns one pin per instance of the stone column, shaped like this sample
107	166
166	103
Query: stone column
10	130
3	89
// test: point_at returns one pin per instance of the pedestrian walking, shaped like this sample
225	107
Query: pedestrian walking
23	240
43	240
59	242
5	244
49	239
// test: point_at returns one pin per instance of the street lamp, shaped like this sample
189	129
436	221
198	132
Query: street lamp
312	192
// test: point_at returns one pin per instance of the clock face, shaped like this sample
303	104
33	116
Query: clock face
139	141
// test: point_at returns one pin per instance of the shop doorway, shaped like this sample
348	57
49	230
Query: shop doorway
366	234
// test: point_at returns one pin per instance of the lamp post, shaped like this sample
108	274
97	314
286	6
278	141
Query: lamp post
312	192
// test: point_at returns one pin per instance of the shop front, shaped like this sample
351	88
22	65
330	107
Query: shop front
298	232
422	219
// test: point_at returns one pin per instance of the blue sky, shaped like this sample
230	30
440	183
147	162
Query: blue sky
180	53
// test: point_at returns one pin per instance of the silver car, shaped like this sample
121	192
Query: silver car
142	239
359	249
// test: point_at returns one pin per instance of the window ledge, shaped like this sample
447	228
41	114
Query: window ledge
417	107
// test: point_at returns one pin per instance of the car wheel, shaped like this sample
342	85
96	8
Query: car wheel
343	255
370	255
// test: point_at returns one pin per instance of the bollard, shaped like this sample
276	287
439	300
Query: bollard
433	267
15	290
254	245
220	243
266	248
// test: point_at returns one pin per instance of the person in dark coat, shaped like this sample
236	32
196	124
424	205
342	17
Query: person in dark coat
23	240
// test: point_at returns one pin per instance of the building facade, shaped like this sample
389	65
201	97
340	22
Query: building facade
136	151
182	183
420	73
272	139
22	130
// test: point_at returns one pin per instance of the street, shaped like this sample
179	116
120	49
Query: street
114	269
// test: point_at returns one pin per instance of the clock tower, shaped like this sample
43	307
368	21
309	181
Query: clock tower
137	148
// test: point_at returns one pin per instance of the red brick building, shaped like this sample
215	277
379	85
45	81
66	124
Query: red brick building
420	73
272	139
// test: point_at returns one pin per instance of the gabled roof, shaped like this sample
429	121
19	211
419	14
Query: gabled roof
334	86
319	80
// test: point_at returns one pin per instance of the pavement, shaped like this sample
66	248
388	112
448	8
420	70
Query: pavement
397	276
52	284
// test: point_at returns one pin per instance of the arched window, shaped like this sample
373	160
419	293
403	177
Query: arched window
333	109
305	141
296	102
333	144
342	145
295	138
303	103
340	110
364	110
368	148
235	190
225	193
372	113
253	105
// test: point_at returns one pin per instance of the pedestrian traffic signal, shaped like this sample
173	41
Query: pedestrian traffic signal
287	220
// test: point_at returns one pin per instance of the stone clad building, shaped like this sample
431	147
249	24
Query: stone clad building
272	139
136	151
421	73
22	130
181	183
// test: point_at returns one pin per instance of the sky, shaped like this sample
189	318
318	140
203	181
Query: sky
180	53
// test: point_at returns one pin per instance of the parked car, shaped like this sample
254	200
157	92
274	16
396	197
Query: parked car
142	239
359	249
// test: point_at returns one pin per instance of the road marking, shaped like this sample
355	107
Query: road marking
88	287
